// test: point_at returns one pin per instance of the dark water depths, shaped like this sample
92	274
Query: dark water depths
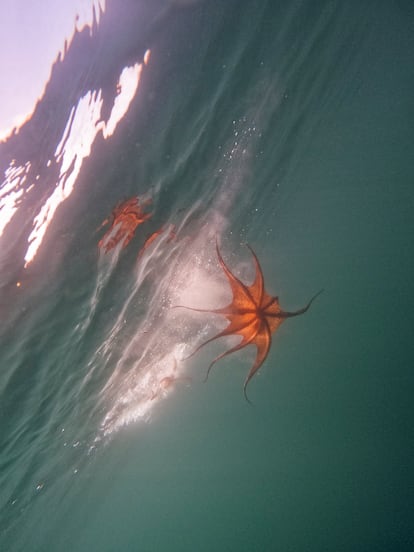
286	125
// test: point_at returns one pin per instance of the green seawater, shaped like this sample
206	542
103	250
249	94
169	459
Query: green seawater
287	126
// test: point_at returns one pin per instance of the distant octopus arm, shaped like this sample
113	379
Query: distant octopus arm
152	237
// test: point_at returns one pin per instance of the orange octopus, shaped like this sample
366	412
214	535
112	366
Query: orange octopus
124	220
252	314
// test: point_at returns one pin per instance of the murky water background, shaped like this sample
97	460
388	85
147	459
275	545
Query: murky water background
285	126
